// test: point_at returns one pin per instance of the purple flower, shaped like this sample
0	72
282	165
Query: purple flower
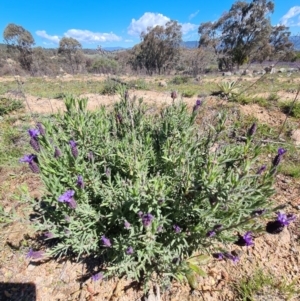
67	218
68	198
277	159
80	182
219	255
96	277
41	128
211	233
129	251
284	219
33	133
74	149
261	169
106	242
32	162
235	259
147	219
140	214
119	118
49	235
90	156
126	225
126	95
245	240
34	254
252	130
173	95
159	229
226	255
275	227
177	229
197	105
57	152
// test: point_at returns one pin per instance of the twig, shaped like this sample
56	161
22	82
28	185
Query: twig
290	110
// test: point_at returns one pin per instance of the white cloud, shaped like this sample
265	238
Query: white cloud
89	37
128	41
193	15
136	27
289	19
43	34
187	27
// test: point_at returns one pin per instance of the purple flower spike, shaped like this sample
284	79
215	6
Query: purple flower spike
68	198
284	219
210	233
197	105
96	277
173	95
235	259
261	169
41	128
281	151
252	130
129	251
177	229
57	152
140	214
277	159
34	254
80	182
74	149
275	227
218	256
32	162
33	133
245	240
159	228
147	219
127	225
106	242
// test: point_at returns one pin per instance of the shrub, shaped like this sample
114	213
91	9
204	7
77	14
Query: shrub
290	108
153	195
110	87
188	93
180	79
8	105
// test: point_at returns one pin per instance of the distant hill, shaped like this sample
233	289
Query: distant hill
190	44
296	41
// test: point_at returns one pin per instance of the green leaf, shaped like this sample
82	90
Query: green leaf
191	278
197	270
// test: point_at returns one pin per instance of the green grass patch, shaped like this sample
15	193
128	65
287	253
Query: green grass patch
265	284
290	108
8	105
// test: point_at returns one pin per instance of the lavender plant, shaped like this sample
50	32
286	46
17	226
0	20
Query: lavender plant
147	192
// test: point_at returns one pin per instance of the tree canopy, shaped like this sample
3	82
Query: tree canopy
159	48
21	39
244	33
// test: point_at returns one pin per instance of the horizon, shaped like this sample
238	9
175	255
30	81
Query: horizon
94	24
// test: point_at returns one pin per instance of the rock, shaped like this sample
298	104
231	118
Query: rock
296	136
246	72
163	84
282	70
227	73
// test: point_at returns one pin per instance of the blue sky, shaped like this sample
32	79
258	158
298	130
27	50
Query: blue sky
119	23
